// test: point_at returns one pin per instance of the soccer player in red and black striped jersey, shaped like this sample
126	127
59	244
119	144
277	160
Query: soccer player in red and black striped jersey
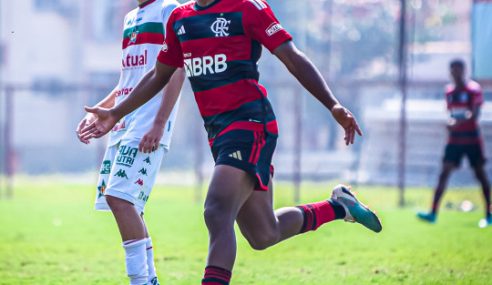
464	99
219	43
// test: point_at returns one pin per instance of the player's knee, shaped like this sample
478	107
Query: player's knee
264	240
215	217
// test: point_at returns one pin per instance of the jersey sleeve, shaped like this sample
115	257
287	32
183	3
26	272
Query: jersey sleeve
260	24
171	53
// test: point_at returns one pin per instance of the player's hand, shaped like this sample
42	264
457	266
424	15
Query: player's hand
105	121
454	123
87	120
348	122
151	140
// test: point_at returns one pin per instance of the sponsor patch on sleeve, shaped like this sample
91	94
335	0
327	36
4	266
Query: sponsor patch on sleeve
273	29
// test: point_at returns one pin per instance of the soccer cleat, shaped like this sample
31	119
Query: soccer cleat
355	211
483	223
154	281
427	217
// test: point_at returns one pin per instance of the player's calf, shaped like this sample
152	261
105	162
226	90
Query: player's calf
263	240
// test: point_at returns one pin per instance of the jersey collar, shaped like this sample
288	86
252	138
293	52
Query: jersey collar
200	8
145	3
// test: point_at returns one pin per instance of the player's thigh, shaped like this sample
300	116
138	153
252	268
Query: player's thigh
134	173
257	217
453	156
475	156
229	188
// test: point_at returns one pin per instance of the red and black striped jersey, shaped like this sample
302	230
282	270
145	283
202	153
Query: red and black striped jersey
219	46
461	102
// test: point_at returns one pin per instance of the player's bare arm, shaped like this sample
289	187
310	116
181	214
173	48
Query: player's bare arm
151	139
89	118
147	88
476	113
309	76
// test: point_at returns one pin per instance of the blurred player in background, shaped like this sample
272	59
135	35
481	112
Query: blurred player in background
464	99
219	43
139	141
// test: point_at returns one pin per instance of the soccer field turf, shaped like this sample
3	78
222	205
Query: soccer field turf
50	234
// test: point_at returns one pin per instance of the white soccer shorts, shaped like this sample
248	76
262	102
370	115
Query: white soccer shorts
128	174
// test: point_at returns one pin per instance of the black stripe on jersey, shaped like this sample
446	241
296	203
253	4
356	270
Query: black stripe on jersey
465	134
209	26
255	51
254	110
236	70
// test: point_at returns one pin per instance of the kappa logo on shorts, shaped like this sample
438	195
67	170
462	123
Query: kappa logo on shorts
126	155
237	155
147	160
121	173
139	182
106	167
143	171
101	189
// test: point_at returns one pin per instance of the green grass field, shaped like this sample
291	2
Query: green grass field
50	234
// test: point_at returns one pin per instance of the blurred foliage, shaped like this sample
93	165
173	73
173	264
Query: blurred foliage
359	38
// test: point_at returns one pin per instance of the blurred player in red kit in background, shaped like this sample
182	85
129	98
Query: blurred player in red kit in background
464	99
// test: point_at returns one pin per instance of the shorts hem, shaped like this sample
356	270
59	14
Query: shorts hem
102	207
124	196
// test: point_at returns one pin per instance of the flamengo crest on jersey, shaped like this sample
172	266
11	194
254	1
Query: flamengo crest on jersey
220	27
143	35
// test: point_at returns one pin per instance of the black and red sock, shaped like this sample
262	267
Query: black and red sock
216	276
317	214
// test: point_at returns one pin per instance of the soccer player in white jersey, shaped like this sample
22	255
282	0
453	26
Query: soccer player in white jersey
139	141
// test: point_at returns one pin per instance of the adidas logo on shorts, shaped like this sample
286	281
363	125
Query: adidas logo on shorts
237	155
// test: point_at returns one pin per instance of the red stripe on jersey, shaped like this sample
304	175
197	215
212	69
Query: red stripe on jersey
251	126
466	126
227	98
461	141
271	127
144	38
221	45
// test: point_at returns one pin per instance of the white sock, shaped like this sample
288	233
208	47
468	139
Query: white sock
150	259
136	261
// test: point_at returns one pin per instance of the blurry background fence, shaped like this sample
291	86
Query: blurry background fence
67	56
